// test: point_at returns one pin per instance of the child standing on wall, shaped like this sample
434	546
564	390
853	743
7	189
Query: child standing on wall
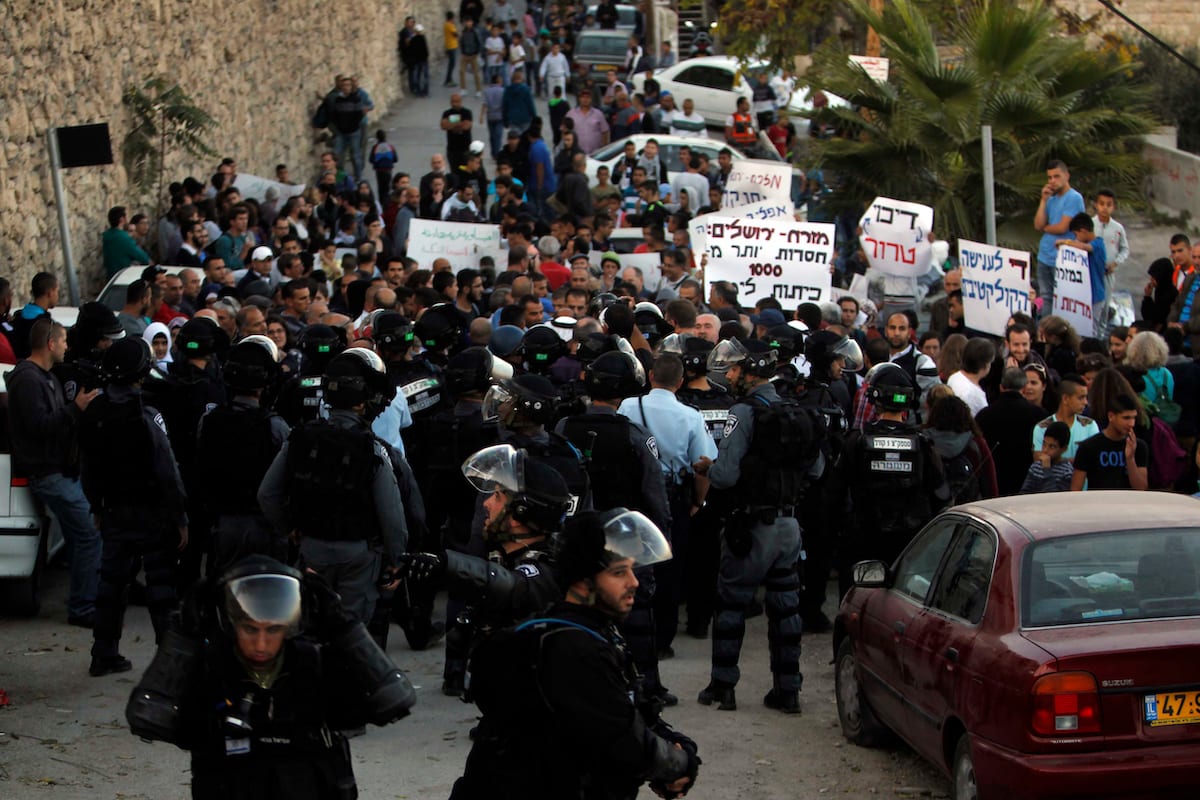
1116	243
1084	231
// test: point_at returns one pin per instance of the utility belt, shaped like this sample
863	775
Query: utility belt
682	489
764	514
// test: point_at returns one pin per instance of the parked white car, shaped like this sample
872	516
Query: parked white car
714	83
668	149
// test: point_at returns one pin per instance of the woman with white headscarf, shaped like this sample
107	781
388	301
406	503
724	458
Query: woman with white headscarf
159	339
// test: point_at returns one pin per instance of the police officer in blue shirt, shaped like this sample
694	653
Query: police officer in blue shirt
682	439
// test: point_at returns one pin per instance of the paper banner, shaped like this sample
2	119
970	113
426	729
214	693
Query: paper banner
1073	289
461	243
995	284
875	67
895	237
754	181
255	188
783	259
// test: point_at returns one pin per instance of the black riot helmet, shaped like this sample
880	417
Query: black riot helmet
260	589
595	344
537	496
695	356
613	376
754	356
525	398
592	540
319	345
392	332
890	387
542	346
357	375
252	364
96	321
474	370
440	328
600	302
823	347
127	361
197	338
784	340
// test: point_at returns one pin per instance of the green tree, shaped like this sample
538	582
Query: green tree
163	117
918	136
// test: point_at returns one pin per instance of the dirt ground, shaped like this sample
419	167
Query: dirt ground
63	734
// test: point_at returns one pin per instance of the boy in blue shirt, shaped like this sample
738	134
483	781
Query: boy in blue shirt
1084	231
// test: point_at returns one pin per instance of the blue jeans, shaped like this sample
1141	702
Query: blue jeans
451	60
1045	287
64	497
496	135
419	78
349	151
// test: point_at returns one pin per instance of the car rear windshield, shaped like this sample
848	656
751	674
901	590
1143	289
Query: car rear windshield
1105	577
608	47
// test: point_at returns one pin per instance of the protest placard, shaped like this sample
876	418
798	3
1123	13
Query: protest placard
754	181
254	187
649	263
875	66
1073	289
780	258
768	209
895	236
995	284
461	243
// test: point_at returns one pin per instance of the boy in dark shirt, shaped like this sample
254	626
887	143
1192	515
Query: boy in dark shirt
1113	458
1050	472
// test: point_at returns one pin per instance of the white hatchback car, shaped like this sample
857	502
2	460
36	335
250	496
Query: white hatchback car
714	84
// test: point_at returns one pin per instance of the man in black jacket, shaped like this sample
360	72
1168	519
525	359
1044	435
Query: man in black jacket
1007	424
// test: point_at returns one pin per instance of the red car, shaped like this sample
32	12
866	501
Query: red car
1039	646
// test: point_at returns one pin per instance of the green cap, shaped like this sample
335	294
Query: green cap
612	256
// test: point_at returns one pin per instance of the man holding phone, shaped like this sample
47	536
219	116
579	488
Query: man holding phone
456	122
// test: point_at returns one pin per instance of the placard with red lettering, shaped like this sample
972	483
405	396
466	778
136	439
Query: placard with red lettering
995	284
895	237
780	258
754	181
1073	289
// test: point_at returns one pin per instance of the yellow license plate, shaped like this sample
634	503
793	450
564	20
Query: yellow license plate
605	67
1172	708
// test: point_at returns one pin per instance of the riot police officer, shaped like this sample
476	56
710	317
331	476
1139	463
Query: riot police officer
235	446
333	488
133	483
893	476
541	348
301	395
770	449
96	328
569	672
830	356
525	503
713	401
266	671
621	458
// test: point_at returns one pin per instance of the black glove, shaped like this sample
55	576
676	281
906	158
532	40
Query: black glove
422	567
327	617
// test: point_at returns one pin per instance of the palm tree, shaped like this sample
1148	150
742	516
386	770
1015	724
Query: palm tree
917	137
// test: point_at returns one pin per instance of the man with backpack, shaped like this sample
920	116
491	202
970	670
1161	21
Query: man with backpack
562	686
768	453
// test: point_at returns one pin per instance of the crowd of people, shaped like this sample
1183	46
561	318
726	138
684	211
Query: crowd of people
265	425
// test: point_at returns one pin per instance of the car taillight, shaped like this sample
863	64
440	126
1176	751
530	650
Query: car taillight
1066	703
19	482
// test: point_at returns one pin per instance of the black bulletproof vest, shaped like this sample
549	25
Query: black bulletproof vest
234	452
118	451
331	473
613	466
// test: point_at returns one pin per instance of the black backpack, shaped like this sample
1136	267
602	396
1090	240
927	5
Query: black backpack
788	441
962	478
330	481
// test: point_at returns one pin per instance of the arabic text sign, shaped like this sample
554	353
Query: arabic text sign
995	284
895	236
875	67
461	243
1073	289
754	181
783	259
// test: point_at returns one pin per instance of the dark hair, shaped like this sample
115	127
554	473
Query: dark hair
667	370
810	315
952	414
443	279
299	284
136	291
513	315
1056	164
1081	222
1016	327
1059	432
1123	402
850	299
1180	238
978	354
116	213
925	337
43	283
466	277
1107	193
682	313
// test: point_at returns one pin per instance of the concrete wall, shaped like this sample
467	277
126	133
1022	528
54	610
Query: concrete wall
1174	182
257	66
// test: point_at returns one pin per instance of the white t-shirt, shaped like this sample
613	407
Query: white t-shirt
494	43
968	392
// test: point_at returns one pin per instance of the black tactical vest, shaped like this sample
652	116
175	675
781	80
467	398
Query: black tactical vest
234	452
331	475
613	466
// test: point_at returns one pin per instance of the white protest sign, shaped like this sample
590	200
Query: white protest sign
858	289
754	181
783	259
1073	289
649	263
995	285
895	237
461	243
770	209
876	67
255	187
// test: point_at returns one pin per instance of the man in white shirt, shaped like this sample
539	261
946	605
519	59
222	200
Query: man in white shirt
554	70
493	59
977	362
688	122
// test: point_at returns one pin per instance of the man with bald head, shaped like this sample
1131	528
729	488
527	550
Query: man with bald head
457	122
437	169
708	327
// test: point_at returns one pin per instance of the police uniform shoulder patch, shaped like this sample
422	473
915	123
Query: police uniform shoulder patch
528	570
653	446
160	422
730	425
